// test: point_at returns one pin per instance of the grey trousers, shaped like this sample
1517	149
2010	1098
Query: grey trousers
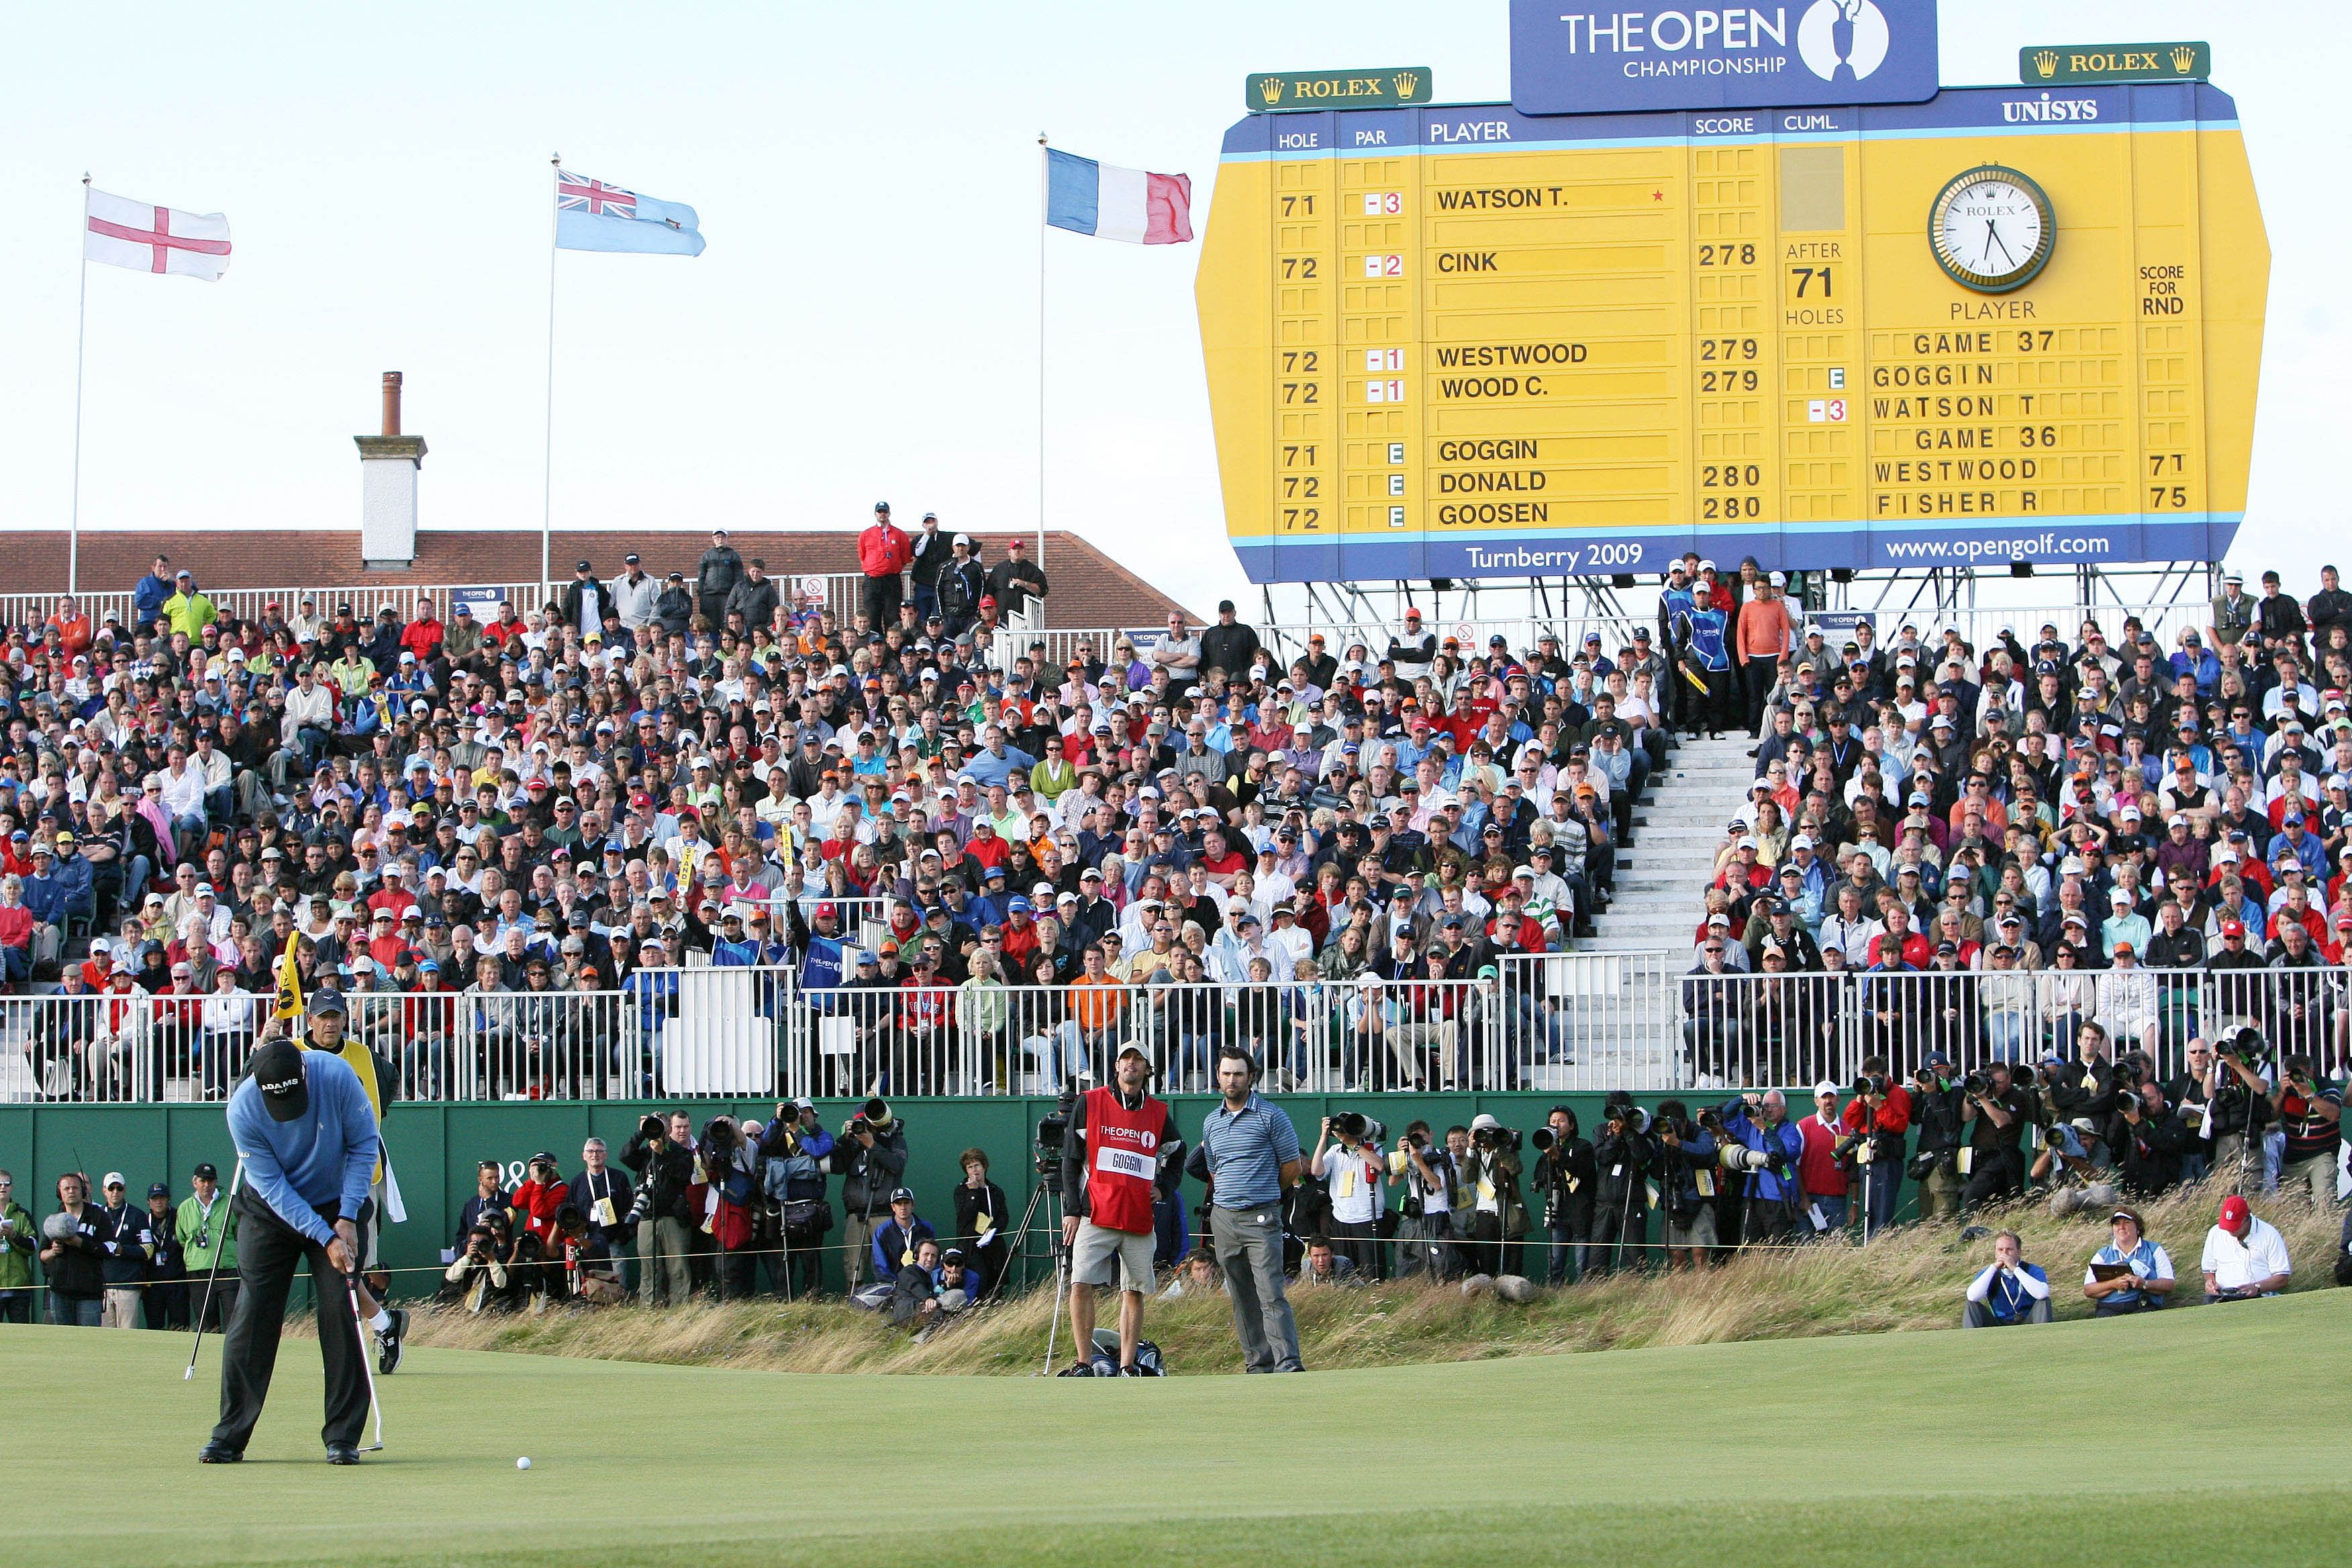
1248	1244
664	1276
1421	1246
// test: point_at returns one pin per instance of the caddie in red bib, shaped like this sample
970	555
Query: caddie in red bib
1121	1142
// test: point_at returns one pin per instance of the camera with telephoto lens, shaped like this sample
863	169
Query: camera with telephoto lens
1495	1138
1871	1083
1978	1082
2246	1047
1359	1128
1541	1140
652	1127
719	1134
869	1118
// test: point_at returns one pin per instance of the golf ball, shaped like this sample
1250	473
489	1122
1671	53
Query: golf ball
523	1463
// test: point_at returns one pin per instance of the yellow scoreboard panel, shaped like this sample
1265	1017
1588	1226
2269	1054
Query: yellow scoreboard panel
2002	324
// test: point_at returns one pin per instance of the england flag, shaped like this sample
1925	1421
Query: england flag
148	238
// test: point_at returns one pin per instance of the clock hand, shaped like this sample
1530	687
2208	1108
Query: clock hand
1993	235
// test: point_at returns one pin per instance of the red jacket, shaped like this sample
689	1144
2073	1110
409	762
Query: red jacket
1893	1115
883	551
423	638
536	1206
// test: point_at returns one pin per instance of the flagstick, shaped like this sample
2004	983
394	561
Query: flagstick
1044	205
81	333
547	454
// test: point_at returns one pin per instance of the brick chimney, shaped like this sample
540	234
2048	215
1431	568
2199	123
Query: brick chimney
389	464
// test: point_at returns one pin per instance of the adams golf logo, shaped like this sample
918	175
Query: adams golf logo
1842	35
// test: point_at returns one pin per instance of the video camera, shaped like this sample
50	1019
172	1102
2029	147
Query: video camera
1054	1131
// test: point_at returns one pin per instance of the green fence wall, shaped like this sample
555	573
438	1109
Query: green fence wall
435	1148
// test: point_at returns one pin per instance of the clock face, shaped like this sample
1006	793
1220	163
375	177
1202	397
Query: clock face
1992	229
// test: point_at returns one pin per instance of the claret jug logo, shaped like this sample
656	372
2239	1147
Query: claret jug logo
1842	35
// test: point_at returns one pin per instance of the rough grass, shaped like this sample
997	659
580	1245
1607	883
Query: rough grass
1909	1278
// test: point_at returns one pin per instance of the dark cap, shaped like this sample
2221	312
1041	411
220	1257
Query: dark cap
158	1190
327	999
902	1195
205	1171
278	1074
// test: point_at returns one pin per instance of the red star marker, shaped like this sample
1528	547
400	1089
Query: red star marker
1657	195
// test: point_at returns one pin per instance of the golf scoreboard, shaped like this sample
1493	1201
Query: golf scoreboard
1992	325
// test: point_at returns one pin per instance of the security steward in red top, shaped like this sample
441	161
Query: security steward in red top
1120	1151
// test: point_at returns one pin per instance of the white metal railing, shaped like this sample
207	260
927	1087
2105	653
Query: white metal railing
1573	1023
1742	1029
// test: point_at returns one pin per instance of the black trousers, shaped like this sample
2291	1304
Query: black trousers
269	1252
883	595
224	1301
1620	1224
1360	1242
1997	1174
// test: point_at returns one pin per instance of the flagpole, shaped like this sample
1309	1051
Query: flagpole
82	334
1044	207
547	451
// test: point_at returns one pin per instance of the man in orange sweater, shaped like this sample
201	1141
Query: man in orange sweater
1762	636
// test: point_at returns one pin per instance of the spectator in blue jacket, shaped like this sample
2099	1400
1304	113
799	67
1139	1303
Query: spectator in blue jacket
49	900
1762	1124
147	598
896	1238
2010	1291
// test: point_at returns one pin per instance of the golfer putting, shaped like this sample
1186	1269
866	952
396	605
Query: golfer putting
304	1130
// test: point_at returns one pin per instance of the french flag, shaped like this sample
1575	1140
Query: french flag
1112	202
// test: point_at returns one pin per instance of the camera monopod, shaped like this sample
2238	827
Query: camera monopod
212	1275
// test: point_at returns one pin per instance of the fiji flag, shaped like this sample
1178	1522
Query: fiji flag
1112	202
593	216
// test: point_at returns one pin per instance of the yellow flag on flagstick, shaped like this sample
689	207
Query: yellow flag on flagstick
290	980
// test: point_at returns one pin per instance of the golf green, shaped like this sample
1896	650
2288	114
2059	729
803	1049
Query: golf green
2198	1436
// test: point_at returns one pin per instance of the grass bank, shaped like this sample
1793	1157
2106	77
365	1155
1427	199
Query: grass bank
1909	1279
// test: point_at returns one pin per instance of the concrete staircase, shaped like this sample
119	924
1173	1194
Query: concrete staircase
1661	879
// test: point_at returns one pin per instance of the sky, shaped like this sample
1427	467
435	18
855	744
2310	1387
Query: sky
864	324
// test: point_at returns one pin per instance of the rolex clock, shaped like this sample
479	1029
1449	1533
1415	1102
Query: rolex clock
1992	229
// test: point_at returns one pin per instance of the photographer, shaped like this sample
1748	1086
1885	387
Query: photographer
1567	1178
2145	1137
1994	1113
724	1182
1620	1215
1121	1149
476	1281
1686	1156
792	1155
541	1193
1872	1125
1425	1210
661	1153
2312	1115
2131	1273
870	1156
604	1195
2010	1291
1934	1165
2189	1096
2238	1096
1498	1214
1355	1187
1759	1140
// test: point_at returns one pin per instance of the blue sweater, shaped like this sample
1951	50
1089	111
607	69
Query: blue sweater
320	1159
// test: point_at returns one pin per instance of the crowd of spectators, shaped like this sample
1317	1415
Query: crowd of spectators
647	774
2011	852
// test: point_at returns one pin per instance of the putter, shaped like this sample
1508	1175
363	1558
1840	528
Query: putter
213	1275
359	1329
